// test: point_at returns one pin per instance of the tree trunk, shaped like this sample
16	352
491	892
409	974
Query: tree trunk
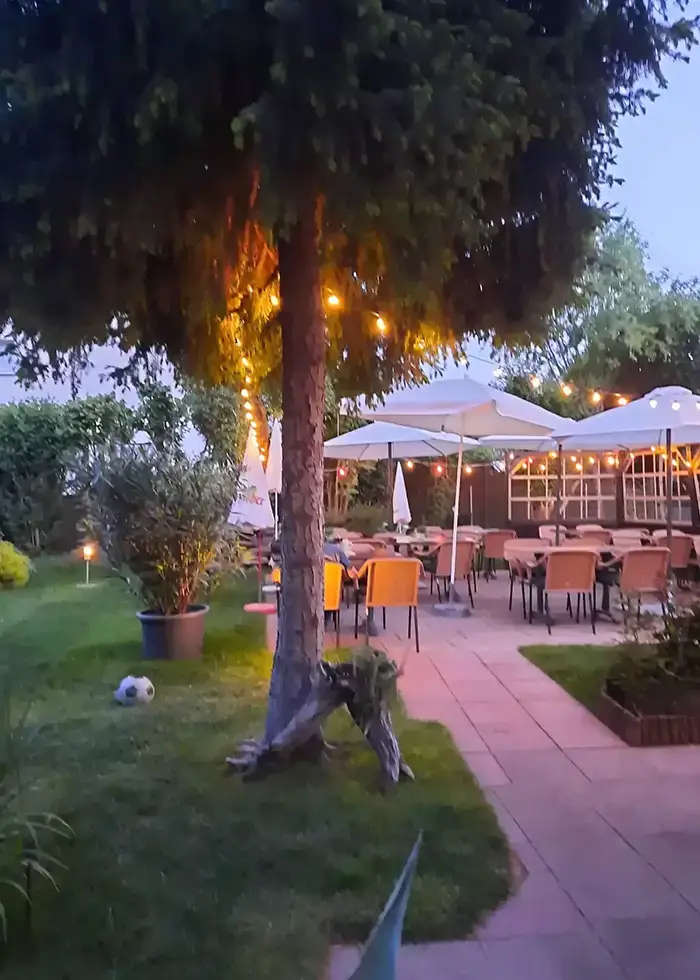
300	635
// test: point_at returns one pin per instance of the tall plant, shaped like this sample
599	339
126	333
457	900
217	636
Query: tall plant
161	521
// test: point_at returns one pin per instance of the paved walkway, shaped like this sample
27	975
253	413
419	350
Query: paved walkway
609	835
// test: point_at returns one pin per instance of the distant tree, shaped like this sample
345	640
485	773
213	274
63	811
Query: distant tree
299	182
626	330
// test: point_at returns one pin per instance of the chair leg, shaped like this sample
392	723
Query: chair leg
409	622
510	597
578	608
357	611
593	610
415	617
469	588
384	617
367	626
522	591
569	607
546	613
474	575
530	614
432	582
337	629
437	586
584	605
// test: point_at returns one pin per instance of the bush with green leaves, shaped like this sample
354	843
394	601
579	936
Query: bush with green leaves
15	566
161	522
365	519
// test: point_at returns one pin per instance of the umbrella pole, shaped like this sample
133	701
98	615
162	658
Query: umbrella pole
669	490
557	503
259	536
390	480
455	521
277	527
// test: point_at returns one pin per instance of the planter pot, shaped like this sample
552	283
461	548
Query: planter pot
641	730
178	637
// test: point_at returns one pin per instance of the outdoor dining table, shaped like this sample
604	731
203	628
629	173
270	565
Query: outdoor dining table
531	550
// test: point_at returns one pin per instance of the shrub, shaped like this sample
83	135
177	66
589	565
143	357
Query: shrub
365	519
15	567
161	522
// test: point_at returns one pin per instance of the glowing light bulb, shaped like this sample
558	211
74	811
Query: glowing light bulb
245	362
653	449
333	300
468	470
596	397
622	400
245	393
88	552
579	467
247	405
274	300
381	325
342	472
535	382
248	379
591	459
573	459
542	467
511	455
566	390
610	460
552	455
409	464
438	469
249	416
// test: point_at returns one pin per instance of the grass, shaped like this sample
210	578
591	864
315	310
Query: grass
178	869
580	670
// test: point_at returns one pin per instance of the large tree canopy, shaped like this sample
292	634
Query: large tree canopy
252	185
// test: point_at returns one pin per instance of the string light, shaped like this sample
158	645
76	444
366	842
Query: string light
573	459
579	467
622	401
409	464
245	393
542	467
511	455
468	470
552	455
439	469
333	300
247	405
610	460
342	472
596	397
249	416
245	362
274	300
591	459
566	390
381	325
535	382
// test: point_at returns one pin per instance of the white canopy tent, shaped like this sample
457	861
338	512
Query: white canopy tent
470	410
665	417
401	510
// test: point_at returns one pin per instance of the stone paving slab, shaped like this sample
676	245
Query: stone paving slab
609	835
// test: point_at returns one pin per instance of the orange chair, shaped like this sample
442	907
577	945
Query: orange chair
596	535
391	583
644	572
493	544
569	570
332	590
464	566
681	550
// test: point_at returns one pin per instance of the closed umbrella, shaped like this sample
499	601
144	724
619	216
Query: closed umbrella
251	508
667	417
401	508
470	410
274	468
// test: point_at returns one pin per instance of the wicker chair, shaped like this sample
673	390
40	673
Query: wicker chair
570	571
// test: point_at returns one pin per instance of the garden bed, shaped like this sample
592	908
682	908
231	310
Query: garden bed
641	728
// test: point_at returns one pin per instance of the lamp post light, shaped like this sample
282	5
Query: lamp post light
88	555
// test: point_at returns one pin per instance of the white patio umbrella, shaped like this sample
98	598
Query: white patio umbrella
401	508
251	508
470	410
665	417
274	468
384	440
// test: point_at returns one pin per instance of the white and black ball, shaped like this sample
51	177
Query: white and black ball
135	690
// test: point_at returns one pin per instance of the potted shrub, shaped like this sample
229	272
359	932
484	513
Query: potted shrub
160	520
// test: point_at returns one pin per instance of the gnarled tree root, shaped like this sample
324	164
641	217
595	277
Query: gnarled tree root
336	685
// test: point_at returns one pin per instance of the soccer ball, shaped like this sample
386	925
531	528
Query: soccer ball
135	690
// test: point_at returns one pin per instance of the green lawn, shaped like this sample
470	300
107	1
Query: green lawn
580	670
180	870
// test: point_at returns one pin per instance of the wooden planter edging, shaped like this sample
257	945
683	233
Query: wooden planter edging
648	729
